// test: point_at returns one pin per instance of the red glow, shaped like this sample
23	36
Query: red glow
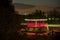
31	34
30	24
36	24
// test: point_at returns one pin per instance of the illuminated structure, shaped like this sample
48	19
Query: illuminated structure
36	27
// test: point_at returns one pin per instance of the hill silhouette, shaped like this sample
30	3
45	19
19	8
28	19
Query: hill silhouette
22	6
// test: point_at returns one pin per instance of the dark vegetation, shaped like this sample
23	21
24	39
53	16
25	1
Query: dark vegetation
8	20
54	16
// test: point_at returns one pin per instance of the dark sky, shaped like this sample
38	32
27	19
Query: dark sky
39	2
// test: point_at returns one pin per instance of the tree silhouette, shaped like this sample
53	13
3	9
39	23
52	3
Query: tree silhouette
37	14
8	20
54	13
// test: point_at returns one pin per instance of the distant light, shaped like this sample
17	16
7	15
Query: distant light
23	24
52	18
22	29
53	25
56	18
49	18
30	29
31	33
35	19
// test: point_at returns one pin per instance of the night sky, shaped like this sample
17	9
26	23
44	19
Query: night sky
39	2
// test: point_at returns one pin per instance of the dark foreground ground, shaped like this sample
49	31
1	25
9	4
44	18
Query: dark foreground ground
56	36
